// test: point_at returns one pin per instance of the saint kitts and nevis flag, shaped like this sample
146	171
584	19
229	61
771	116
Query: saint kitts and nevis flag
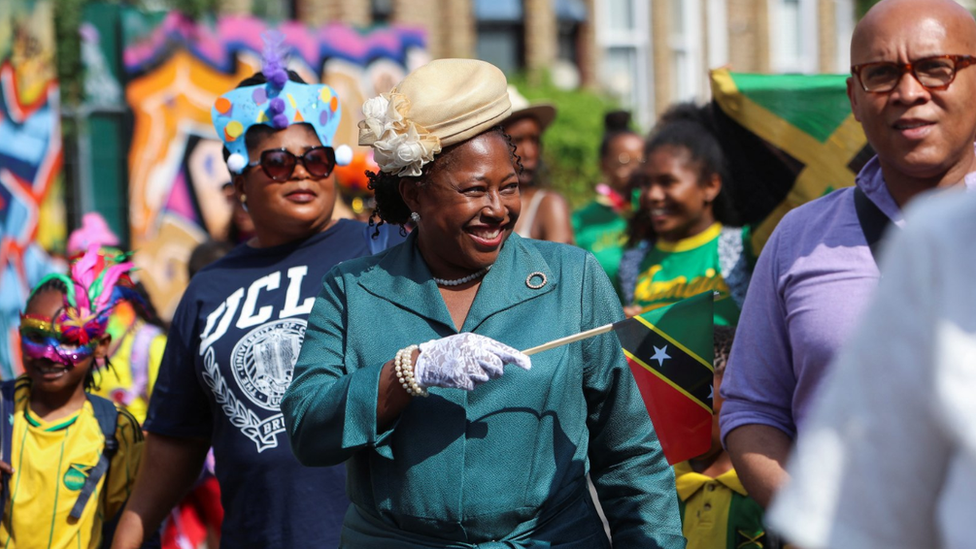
788	139
670	352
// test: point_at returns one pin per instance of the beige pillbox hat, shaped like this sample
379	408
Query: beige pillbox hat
445	102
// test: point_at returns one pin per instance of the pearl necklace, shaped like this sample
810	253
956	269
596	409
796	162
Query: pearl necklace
462	280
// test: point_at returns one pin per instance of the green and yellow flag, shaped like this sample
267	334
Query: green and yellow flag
788	139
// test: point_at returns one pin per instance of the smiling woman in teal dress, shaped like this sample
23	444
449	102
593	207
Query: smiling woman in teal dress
463	441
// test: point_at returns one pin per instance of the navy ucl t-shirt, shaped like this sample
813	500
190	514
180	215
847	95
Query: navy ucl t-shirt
229	358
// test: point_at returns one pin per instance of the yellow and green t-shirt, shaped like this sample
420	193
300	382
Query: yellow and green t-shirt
717	513
672	271
51	461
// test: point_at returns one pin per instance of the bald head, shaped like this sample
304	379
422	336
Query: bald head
940	19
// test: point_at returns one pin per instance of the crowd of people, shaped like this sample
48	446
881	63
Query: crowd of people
327	382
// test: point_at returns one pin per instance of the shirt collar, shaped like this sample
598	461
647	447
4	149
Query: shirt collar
689	482
692	242
871	181
401	276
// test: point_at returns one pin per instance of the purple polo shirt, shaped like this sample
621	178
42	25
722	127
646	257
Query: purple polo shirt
810	286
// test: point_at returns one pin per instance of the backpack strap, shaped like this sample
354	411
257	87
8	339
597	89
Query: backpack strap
873	221
108	417
7	404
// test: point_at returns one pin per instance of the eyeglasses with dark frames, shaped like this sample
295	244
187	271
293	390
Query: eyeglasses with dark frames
279	164
934	73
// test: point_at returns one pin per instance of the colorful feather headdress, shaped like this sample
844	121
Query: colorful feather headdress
98	280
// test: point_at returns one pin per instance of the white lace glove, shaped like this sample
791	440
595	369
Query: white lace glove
464	361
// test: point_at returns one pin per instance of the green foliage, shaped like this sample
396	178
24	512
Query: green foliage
269	10
863	6
571	145
67	21
195	9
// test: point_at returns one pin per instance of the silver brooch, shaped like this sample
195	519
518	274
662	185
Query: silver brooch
534	276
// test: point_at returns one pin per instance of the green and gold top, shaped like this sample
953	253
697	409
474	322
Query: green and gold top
671	271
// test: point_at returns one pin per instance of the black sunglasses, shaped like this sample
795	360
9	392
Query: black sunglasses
279	164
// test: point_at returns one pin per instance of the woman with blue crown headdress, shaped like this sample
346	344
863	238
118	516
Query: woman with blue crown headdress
237	331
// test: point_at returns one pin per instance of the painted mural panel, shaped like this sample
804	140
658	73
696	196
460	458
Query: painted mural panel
175	69
31	200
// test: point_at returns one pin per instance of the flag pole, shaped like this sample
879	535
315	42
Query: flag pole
568	339
580	336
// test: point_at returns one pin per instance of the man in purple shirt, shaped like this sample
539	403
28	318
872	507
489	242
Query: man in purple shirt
913	94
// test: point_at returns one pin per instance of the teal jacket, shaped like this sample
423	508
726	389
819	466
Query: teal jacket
504	465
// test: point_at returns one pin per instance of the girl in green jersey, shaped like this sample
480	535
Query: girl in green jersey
680	243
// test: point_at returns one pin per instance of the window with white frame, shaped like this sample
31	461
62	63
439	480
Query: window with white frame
717	22
844	16
793	35
500	32
624	35
687	70
381	11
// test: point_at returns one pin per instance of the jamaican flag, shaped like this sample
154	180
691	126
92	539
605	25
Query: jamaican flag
670	354
788	139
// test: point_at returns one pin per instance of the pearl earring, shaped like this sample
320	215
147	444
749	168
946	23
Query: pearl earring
415	217
244	202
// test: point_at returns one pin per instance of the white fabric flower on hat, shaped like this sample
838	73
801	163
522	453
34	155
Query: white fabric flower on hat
399	145
382	116
406	153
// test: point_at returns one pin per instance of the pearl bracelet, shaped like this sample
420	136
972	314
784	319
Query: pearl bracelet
404	371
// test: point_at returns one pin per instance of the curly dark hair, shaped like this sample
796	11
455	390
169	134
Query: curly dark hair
390	207
722	340
688	126
615	124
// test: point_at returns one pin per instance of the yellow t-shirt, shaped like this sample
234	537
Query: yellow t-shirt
51	462
717	513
